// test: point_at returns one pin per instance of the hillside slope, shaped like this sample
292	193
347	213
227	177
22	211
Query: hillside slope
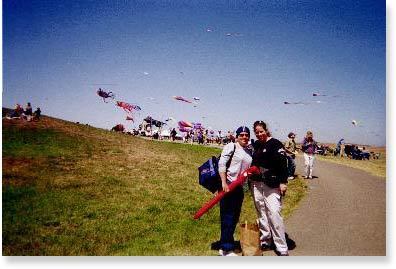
71	189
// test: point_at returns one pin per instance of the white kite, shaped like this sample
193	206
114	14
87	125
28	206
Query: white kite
357	123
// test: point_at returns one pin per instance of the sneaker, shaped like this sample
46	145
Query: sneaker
282	253
290	178
231	253
227	253
310	177
265	247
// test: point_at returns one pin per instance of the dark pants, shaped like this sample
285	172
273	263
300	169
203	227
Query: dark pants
291	166
230	209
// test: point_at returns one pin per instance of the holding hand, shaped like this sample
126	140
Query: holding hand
282	189
224	185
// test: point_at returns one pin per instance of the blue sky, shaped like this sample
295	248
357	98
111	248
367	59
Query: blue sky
57	53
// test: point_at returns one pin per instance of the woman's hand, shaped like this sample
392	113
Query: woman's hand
224	185
282	189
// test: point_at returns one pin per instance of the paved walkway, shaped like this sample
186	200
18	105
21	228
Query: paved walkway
344	213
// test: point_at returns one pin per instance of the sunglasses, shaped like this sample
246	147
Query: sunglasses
247	135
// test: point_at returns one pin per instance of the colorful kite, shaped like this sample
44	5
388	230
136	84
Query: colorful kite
154	122
185	129
185	124
197	126
104	94
128	107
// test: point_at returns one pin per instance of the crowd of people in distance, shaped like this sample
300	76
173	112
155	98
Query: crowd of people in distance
25	113
353	151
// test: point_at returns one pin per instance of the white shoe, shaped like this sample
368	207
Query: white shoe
290	178
227	253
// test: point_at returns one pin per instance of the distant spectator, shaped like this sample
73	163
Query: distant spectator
200	137
155	135
365	154
218	138
309	146
37	114
291	150
118	128
28	111
173	134
340	148
18	111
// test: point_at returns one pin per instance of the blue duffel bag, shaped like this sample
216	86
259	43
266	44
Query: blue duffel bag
209	176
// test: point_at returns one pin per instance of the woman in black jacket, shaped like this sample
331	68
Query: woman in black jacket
269	187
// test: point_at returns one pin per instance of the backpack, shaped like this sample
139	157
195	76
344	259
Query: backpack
209	176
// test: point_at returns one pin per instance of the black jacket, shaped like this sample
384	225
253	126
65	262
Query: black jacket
270	157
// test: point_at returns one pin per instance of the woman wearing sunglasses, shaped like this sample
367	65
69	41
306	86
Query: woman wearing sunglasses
235	158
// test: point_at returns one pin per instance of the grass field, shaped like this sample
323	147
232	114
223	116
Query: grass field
375	167
71	189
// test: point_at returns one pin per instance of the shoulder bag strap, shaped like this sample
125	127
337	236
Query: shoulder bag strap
232	155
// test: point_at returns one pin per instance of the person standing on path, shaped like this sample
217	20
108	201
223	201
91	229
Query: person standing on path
309	146
290	148
269	187
235	158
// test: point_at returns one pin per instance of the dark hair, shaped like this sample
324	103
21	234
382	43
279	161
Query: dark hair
263	125
290	135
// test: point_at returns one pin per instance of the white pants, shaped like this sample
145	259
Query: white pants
268	205
309	160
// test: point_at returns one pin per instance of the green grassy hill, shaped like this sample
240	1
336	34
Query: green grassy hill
71	189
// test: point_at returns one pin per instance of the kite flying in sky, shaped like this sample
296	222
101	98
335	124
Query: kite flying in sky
185	124
104	94
234	34
128	107
181	98
316	94
294	103
303	103
357	123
